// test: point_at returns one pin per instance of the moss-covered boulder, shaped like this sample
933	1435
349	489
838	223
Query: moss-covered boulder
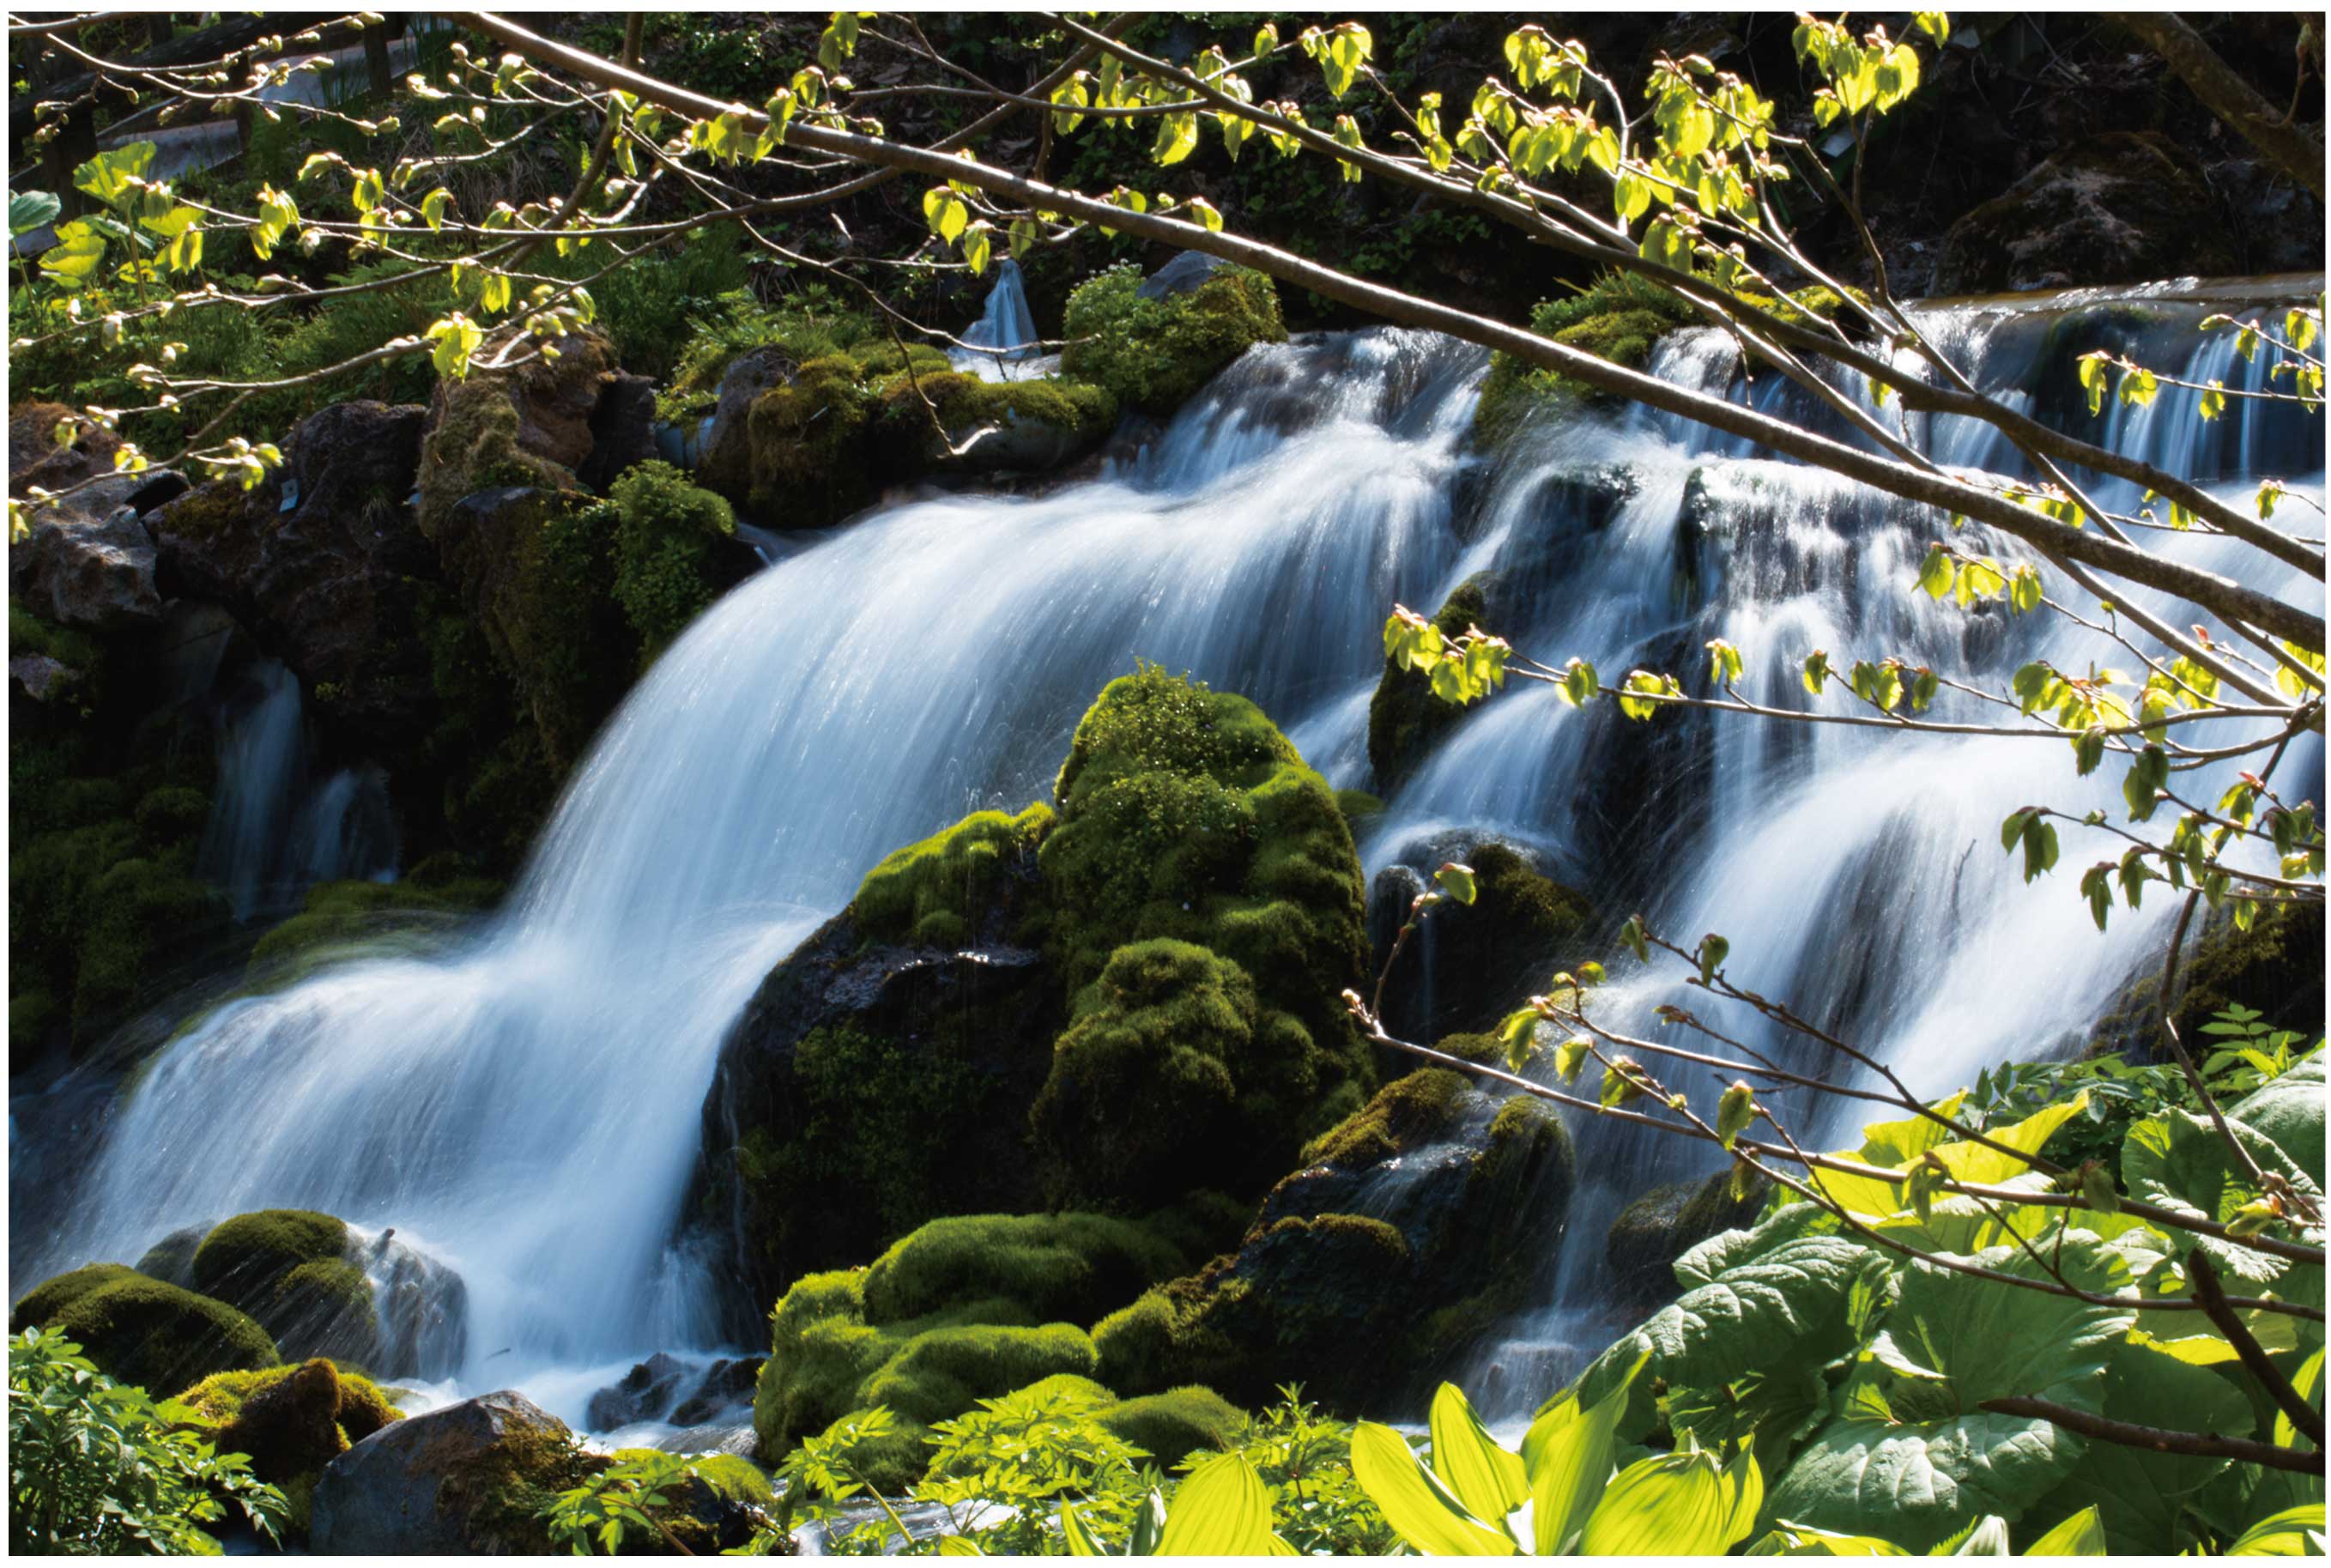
339	919
291	1420
1173	1425
1472	964
1412	1226
293	1271
2275	969
1153	349
470	1479
1405	720
1117	1001
962	1309
141	1331
1650	1233
1618	319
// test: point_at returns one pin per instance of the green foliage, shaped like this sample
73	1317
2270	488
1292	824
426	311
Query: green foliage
1617	318
931	892
94	1468
663	551
1058	1268
1405	720
1153	354
1181	1424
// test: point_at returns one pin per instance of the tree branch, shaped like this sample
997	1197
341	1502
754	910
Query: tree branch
2292	147
2158	1439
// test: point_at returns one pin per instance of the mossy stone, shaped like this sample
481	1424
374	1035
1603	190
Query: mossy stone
41	1305
934	891
161	1339
1156	354
1174	1425
1617	318
1058	1268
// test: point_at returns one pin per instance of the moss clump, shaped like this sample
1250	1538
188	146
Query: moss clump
289	1270
293	1420
1174	1425
735	1477
341	918
664	552
474	446
933	892
1078	412
1405	720
1201	1223
2274	968
157	1336
1618	319
944	1372
172	1258
1404	1111
804	439
1155	354
1069	1267
41	1304
1192	837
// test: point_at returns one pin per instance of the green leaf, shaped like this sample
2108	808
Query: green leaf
75	256
1177	138
2293	1533
1568	1455
1487	1479
978	241
2137	1493
1221	1510
1679	1505
31	210
1456	880
1080	1540
2177	1160
111	176
1414	1502
946	213
1942	1462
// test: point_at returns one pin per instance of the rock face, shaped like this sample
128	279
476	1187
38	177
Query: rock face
727	464
77	570
623	429
1471	965
1412	1227
1185	274
1662	1225
34	457
319	562
2124	207
643	1393
462	1479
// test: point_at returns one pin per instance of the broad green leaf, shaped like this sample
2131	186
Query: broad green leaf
1679	1505
2177	1160
2308	1382
111	175
1079	1539
2082	1535
2289	1111
1420	1510
75	256
1786	1539
30	210
1221	1510
1568	1455
2293	1533
1487	1479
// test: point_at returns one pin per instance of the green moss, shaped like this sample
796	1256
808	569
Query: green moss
664	552
1057	1266
159	1338
1173	1425
1663	1224
170	815
1618	319
1081	411
340	919
804	439
1141	1346
43	1303
474	447
893	1462
1405	1113
1155	354
29	633
503	1489
945	1372
931	892
735	1477
1201	1223
249	1255
137	910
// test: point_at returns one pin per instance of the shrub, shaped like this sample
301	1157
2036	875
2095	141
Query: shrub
94	1468
1155	354
663	550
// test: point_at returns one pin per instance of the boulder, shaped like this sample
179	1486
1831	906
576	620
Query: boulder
423	1309
1405	720
41	678
465	1479
2122	208
725	463
35	460
1471	965
321	561
725	1386
142	1331
296	1272
623	429
642	1394
1411	1228
1662	1225
1186	274
77	570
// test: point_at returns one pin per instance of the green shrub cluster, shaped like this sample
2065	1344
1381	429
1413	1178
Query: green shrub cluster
664	544
1617	318
1153	354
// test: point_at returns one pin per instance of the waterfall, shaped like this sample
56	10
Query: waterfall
274	830
1000	345
525	1106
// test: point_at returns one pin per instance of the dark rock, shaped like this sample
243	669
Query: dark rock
623	429
77	571
726	461
41	678
1662	1225
465	1479
643	1393
35	460
321	561
172	1258
2276	221
424	1310
2123	207
1467	966
725	1386
1183	274
1022	443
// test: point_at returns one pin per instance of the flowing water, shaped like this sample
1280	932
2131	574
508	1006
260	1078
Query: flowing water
525	1105
1002	344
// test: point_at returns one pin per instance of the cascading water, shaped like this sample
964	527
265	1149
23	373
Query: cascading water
1000	345
526	1106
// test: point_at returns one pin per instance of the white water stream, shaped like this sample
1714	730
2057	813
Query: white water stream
526	1106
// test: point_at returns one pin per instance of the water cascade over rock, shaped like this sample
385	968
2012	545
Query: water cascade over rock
527	1107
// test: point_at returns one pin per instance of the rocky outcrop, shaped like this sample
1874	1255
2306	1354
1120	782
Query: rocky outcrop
319	562
464	1480
1410	1229
38	460
79	569
2124	207
1467	966
1650	1233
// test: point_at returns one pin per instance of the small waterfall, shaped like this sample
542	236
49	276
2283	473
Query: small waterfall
1000	345
526	1106
275	830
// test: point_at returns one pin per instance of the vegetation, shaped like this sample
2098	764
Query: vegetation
1155	353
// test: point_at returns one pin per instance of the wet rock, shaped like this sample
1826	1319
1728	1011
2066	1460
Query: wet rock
2276	221
726	461
1185	274
172	1258
465	1479
623	429
425	1309
77	570
643	1393
319	563
1662	1225
1021	443
2123	207
1467	966
725	1386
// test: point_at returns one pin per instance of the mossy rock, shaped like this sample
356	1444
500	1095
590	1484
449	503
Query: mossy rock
1156	354
1476	963
934	891
1022	426
1618	319
944	1372
2275	969
469	1478
293	1420
342	919
1058	1268
1662	1225
665	545
141	1331
290	1270
1207	909
1174	1425
893	1462
1403	1113
1405	720
473	446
